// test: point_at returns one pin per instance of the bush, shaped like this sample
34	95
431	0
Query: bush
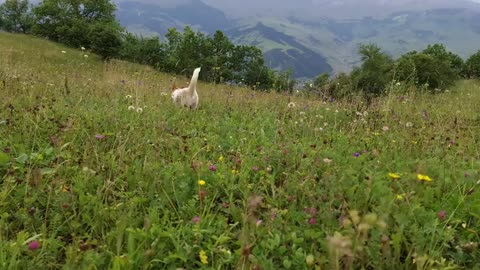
375	72
426	70
472	66
105	40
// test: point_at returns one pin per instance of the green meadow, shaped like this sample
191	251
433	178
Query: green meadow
100	170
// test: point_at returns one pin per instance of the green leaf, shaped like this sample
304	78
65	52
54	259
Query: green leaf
4	159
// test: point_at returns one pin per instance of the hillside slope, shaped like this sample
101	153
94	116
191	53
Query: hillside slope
99	170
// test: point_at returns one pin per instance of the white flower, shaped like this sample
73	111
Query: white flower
139	110
398	84
302	113
86	56
128	96
83	48
291	105
409	124
64	52
131	108
359	113
385	128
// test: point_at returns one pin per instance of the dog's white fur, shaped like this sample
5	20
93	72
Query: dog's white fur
188	96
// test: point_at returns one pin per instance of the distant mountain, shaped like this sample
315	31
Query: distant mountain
311	45
148	18
282	51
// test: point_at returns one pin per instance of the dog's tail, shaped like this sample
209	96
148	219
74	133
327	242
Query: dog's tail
193	83
174	85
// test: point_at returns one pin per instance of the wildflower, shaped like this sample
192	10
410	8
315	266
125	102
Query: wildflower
258	222
212	168
310	260
85	55
128	96
398	84
302	113
234	172
255	168
394	175
83	48
291	105
202	182
399	197
385	128
327	160
409	124
203	257
425	178
220	159
64	52
139	110
99	137
196	219
34	245
202	194
356	154
441	214
131	108
312	221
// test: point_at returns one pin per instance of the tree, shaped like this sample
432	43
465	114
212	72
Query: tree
375	72
439	51
472	66
75	22
433	68
15	16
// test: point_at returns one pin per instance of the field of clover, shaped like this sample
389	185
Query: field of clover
99	170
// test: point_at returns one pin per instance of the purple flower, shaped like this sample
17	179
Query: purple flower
255	168
441	214
99	137
356	154
312	221
34	245
212	168
311	211
425	114
196	219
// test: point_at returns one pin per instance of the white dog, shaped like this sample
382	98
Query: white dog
188	96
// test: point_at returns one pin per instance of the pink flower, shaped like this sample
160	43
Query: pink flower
212	168
255	168
34	245
441	214
196	219
312	221
99	137
259	222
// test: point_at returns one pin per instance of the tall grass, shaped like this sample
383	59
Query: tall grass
245	182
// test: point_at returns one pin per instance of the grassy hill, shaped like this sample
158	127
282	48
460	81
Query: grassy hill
249	181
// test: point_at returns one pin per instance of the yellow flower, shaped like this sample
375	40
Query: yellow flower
220	159
234	172
399	197
394	175
203	257
425	178
201	182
